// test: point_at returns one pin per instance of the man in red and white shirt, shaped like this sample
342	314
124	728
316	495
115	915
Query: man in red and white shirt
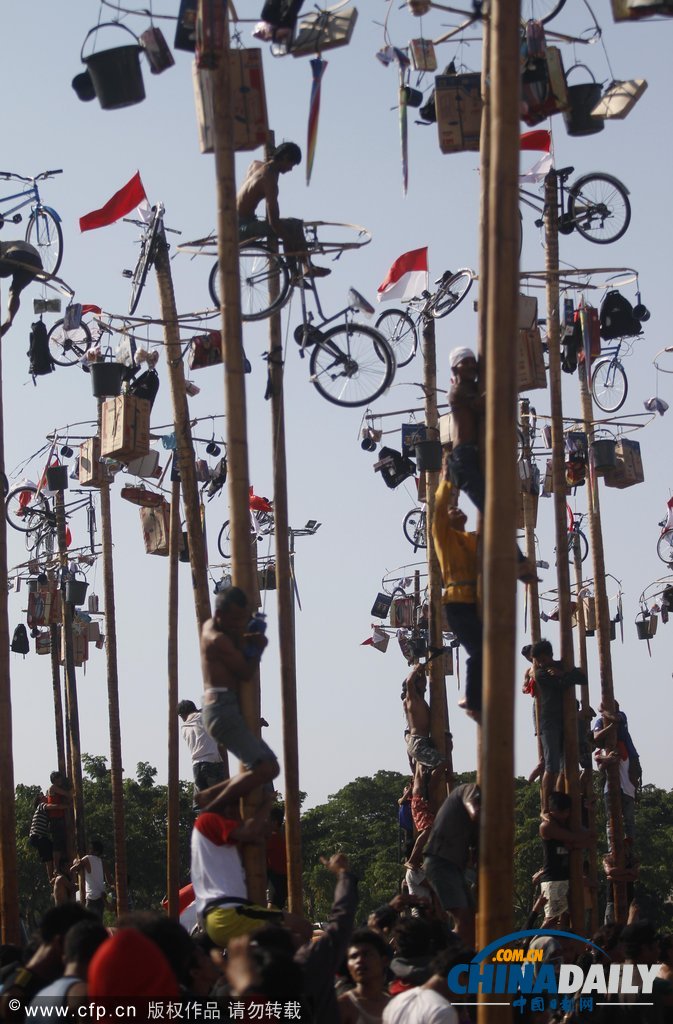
219	881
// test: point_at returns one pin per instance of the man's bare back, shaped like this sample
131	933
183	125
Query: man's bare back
223	663
260	183
416	707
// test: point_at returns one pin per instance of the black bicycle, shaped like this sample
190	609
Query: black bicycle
596	205
152	231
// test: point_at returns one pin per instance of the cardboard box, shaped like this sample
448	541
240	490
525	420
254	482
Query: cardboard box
92	472
458	109
251	125
630	10
619	99
323	30
156	528
532	499
629	468
125	428
531	372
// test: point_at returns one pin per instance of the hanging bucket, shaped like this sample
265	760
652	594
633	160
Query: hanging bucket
613	629
57	478
83	86
581	101
106	379
604	455
75	591
116	74
643	628
429	456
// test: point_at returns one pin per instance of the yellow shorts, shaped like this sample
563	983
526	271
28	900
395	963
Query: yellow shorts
225	923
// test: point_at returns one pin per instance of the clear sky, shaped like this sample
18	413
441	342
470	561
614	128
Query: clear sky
350	718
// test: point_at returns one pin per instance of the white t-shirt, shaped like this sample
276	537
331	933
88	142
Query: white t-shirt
94	879
202	747
419	1006
217	871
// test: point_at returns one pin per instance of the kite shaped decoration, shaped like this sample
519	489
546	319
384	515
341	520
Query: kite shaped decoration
318	66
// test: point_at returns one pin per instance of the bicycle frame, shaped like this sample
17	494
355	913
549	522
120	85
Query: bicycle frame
537	203
307	316
30	194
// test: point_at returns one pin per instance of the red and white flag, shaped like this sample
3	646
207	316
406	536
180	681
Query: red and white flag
537	141
123	202
407	277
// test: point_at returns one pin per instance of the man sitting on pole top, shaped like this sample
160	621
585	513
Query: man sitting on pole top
261	184
17	260
230	655
467	405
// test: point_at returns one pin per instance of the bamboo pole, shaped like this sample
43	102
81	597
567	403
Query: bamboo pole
570	746
533	591
114	721
238	480
54	640
587	787
173	827
439	712
71	693
183	432
615	822
10	928
496	873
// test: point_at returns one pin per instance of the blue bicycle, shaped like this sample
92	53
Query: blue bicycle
44	224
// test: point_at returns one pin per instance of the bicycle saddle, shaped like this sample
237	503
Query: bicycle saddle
564	172
445	277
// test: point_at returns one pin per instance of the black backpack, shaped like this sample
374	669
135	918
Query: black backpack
38	353
617	319
20	644
145	386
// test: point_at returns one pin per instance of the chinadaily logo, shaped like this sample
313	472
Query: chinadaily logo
528	966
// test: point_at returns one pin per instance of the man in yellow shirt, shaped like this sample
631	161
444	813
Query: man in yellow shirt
457	553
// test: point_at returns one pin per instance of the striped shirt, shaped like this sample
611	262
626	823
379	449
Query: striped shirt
39	825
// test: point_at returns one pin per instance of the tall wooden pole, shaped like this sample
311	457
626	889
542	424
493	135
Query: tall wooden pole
54	642
496	869
439	712
71	690
183	432
533	591
570	746
173	833
114	720
235	401
615	822
10	929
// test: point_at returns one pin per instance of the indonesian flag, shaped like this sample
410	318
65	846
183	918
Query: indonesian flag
538	140
407	277
122	203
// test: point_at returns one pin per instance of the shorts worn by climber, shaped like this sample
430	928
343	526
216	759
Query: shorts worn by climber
467	405
261	185
229	657
17	259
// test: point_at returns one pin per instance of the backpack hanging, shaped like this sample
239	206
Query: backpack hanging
41	361
617	319
145	386
20	644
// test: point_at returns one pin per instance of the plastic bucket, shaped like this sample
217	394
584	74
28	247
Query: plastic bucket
581	101
57	478
75	591
604	454
429	456
116	73
106	379
84	87
643	629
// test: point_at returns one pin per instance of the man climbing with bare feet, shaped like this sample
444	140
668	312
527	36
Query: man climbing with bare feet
230	657
261	185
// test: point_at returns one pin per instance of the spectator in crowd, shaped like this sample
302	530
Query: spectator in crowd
367	959
70	990
431	1002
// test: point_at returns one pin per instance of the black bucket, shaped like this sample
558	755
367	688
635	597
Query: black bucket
604	455
106	379
582	99
116	74
84	87
429	456
75	591
57	478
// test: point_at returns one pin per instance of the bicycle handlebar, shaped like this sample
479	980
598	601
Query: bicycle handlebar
22	177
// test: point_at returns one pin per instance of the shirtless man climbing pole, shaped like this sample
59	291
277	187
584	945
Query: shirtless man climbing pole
261	184
420	747
230	657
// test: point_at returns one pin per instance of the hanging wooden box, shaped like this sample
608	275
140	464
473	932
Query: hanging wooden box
156	528
619	99
531	372
631	10
458	110
533	499
251	125
92	472
80	649
125	428
629	468
589	606
323	30
402	612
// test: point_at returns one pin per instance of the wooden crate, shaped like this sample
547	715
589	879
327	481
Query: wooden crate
251	125
125	428
531	372
92	472
458	109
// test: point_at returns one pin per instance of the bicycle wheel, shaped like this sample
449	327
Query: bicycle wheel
257	267
609	385
144	263
414	528
583	542
665	547
451	293
351	365
541	10
399	330
44	232
68	347
599	208
25	509
224	540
